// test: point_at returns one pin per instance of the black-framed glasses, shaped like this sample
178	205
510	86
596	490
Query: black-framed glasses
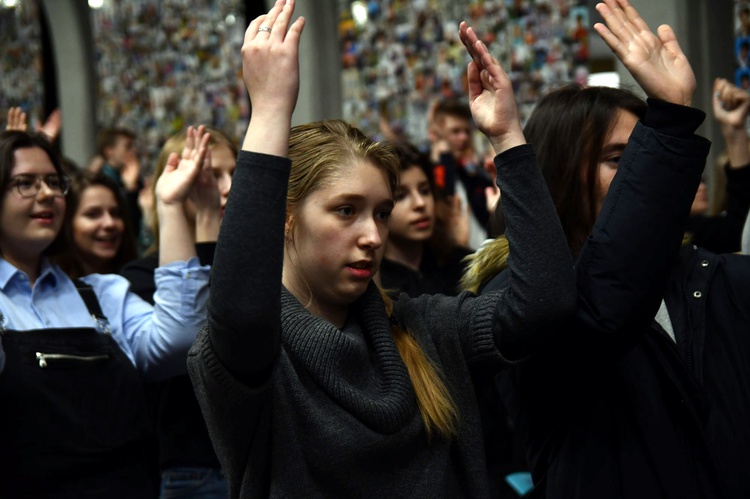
28	185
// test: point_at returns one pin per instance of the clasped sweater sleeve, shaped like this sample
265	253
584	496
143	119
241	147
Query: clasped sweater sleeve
624	264
244	308
541	286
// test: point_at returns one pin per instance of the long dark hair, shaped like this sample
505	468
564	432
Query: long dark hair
10	142
568	129
70	261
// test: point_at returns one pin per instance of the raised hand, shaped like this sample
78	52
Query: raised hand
656	62
51	127
16	120
730	104
270	69
131	171
207	200
180	172
491	98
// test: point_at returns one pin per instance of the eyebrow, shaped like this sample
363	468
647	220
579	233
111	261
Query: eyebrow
352	198
618	146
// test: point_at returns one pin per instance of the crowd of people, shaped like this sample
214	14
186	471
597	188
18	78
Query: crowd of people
319	313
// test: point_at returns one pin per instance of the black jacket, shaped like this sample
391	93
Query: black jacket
615	408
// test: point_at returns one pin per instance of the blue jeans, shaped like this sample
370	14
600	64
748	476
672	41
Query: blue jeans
193	483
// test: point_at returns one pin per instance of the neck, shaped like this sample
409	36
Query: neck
30	265
407	253
334	314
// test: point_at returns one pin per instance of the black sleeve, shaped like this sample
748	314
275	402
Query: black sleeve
134	211
244	308
140	273
541	283
723	233
206	252
623	267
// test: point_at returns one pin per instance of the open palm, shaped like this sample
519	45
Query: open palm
656	62
180	172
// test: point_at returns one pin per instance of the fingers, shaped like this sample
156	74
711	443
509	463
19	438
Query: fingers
295	31
468	37
270	21
282	21
474	80
16	119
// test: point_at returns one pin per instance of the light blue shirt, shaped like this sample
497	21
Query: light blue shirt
155	338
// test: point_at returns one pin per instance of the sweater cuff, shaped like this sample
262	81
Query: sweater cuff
514	155
672	119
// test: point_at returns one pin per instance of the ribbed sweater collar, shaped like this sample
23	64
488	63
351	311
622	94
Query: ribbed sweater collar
388	402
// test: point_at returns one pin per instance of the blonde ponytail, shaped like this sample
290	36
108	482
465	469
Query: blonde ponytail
435	403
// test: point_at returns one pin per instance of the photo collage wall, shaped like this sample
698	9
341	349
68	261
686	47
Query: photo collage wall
399	57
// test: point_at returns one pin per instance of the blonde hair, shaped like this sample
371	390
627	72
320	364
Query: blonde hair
321	152
485	263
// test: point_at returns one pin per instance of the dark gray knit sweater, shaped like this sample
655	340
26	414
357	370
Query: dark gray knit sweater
299	408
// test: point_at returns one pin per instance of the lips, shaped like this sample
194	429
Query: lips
43	216
362	269
422	223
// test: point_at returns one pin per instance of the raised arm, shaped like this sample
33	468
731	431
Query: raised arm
656	61
722	234
172	189
640	225
541	283
245	302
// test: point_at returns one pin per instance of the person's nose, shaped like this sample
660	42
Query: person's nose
370	237
224	184
45	192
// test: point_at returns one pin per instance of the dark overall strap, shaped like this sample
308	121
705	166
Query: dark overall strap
92	304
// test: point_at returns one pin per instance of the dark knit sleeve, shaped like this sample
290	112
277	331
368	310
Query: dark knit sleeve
624	264
541	285
244	307
540	289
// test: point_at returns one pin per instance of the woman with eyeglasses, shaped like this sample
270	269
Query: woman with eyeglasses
72	417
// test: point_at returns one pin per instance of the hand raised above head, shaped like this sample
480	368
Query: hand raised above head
16	120
656	62
270	60
180	172
491	98
730	104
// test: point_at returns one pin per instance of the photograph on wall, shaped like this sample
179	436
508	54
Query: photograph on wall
21	61
742	44
165	64
400	57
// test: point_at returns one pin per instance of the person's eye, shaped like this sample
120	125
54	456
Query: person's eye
346	211
53	182
383	215
92	214
399	195
25	183
425	191
613	161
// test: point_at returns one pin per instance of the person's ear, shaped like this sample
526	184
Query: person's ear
288	228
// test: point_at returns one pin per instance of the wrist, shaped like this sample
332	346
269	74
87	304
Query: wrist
507	141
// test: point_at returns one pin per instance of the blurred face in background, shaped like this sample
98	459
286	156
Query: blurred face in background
457	132
122	152
413	216
223	162
98	226
700	203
